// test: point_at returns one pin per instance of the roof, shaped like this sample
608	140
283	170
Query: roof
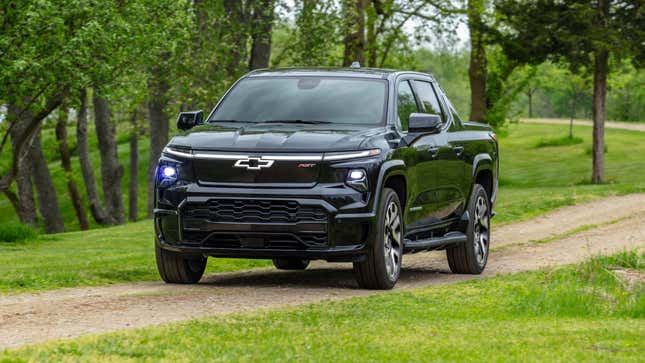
341	72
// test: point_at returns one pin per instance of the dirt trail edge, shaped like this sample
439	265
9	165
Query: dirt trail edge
67	313
632	126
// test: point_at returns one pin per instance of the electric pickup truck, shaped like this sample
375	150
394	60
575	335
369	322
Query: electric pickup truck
345	165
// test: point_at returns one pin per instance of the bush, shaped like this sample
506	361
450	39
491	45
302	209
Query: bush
13	232
561	141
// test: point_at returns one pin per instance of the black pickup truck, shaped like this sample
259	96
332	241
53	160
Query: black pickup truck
345	165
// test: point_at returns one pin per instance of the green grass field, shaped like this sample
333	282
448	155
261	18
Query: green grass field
534	180
568	314
95	257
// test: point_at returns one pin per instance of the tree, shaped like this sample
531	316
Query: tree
373	28
533	31
96	206
49	50
262	15
66	163
477	70
111	170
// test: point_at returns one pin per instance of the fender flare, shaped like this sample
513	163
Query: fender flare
485	162
388	169
481	162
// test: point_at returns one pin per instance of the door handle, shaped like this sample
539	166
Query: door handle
458	150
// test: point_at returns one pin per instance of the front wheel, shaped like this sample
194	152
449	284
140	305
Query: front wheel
471	257
382	265
177	268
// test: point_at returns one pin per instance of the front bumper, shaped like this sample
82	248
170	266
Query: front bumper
329	221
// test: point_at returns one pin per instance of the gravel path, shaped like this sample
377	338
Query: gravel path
66	313
633	126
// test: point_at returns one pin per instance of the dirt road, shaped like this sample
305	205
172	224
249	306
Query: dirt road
608	124
29	318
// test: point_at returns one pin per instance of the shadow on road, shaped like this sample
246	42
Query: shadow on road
339	277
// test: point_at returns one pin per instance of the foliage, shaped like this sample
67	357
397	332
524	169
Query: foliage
574	313
16	232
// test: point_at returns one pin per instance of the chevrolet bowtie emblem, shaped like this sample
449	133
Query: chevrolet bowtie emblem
253	163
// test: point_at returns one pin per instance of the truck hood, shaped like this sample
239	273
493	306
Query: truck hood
278	137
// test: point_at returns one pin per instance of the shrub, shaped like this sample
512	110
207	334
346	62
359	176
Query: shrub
13	232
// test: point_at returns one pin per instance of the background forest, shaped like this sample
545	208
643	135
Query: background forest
89	90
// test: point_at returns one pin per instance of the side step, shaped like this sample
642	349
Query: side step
450	239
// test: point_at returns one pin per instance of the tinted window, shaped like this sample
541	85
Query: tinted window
351	101
428	98
405	104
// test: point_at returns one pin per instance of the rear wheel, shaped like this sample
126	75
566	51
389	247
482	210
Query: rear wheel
471	257
290	263
382	267
177	268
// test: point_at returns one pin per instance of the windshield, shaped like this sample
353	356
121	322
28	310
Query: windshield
304	100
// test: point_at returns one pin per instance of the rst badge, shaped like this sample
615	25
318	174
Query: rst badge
253	163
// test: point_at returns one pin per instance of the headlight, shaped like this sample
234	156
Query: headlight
169	171
357	179
167	175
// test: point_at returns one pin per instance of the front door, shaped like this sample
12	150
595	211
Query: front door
441	172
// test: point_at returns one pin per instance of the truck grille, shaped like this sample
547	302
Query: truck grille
255	211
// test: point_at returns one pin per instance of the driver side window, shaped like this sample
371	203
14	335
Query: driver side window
405	103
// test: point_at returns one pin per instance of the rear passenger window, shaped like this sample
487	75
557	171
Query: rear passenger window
429	99
405	104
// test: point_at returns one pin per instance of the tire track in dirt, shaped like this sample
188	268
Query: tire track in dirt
67	313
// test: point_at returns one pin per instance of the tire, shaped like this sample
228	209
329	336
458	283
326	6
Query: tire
176	268
290	263
382	266
471	257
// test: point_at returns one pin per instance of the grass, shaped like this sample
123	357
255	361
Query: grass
559	141
574	313
534	181
16	232
95	257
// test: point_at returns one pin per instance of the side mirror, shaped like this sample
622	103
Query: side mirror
188	120
424	123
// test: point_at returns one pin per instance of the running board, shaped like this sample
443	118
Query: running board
450	239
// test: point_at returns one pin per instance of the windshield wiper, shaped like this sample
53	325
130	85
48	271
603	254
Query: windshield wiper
308	122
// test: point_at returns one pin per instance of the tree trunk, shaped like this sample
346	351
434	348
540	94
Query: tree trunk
26	202
133	185
96	207
601	68
261	28
237	28
111	171
354	32
159	127
63	148
573	115
477	70
47	199
529	93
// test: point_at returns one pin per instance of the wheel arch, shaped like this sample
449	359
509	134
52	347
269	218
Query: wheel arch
392	175
483	174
